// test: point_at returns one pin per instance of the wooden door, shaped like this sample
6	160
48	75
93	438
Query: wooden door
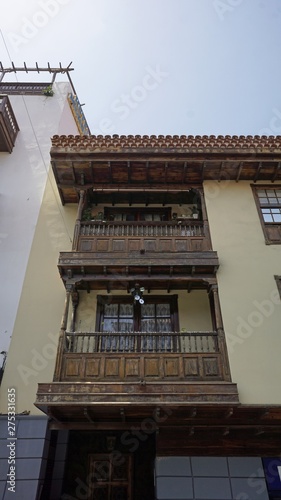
111	476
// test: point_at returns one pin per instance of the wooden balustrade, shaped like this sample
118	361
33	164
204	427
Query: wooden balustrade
141	356
8	125
171	229
127	237
187	342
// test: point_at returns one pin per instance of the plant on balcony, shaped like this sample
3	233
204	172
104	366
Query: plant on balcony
195	212
48	91
87	214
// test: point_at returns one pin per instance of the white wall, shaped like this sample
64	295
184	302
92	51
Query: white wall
23	175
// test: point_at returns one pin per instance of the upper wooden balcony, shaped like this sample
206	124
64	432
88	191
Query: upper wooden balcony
182	235
8	125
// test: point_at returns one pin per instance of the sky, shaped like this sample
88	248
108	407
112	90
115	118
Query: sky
179	67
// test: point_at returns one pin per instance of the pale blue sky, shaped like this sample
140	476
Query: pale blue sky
159	66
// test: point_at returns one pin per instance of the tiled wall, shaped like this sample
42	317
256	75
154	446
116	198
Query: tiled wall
210	478
31	456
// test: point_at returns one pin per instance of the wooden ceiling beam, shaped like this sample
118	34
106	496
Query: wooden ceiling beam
277	169
221	170
258	172
240	168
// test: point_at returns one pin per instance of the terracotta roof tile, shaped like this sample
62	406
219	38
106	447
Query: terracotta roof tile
116	142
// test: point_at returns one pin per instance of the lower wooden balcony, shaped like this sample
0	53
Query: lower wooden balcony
103	373
141	356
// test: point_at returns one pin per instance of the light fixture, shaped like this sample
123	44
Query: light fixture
137	292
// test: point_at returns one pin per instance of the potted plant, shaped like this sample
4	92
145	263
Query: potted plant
195	212
48	91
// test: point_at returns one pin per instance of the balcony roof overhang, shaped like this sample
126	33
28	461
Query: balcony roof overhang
171	162
166	271
181	424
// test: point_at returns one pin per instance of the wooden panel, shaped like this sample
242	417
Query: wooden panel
103	245
196	245
118	245
273	233
181	245
171	367
72	367
132	367
112	367
150	245
165	245
86	245
210	367
191	367
92	368
152	367
134	244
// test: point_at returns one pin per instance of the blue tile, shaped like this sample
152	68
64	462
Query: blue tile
245	466
212	489
170	488
249	489
173	466
209	466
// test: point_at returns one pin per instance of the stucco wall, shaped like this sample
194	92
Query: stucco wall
32	352
250	303
194	309
23	176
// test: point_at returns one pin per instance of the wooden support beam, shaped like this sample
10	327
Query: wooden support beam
122	414
166	170
240	168
184	171
86	414
147	171
221	170
276	172
203	171
110	171
258	172
129	171
229	413
193	412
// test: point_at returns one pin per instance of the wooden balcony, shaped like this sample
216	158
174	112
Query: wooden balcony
174	236
8	125
140	357
103	373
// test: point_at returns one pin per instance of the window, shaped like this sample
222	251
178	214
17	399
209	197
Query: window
127	323
137	214
120	314
268	201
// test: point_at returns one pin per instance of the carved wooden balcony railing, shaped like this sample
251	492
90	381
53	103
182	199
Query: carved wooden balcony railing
172	236
140	356
8	125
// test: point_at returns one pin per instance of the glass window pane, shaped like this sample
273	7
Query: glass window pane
273	201
263	201
147	310
266	210
109	325
261	192
267	218
148	325
126	310
164	325
111	309
277	217
162	310
126	325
